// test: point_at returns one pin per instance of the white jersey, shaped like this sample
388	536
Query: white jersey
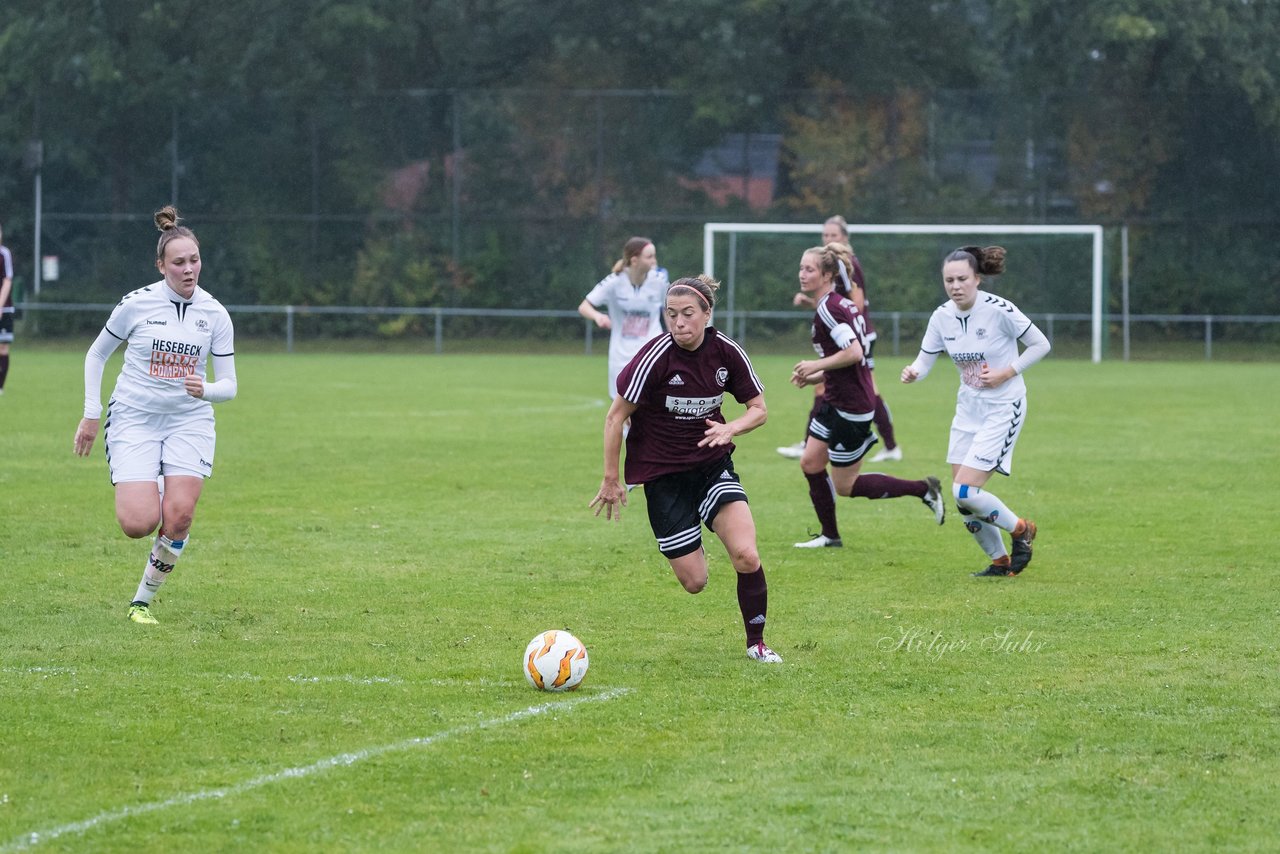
987	333
635	313
168	338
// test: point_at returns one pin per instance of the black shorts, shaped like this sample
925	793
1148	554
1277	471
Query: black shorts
681	501
866	353
6	326
847	440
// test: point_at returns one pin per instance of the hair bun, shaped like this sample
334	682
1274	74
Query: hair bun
167	218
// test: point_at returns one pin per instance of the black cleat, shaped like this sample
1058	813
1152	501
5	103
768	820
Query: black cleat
994	571
1020	554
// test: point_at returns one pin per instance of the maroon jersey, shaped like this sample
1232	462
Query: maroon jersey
837	323
676	391
859	279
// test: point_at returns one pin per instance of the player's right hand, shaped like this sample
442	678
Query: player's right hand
610	498
85	434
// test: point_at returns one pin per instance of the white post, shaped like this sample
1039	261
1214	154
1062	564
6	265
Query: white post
37	273
1124	286
709	230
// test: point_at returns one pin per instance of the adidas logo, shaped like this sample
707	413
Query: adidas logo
724	475
676	380
757	620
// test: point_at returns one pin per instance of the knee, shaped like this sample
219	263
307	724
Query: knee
177	521
136	528
745	559
694	585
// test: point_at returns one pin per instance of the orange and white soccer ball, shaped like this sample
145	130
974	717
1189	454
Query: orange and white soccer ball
555	661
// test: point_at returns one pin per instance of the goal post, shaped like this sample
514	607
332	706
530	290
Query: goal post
711	229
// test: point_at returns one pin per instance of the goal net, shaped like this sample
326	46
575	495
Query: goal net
1054	273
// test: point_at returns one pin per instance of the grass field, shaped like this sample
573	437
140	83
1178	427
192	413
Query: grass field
337	665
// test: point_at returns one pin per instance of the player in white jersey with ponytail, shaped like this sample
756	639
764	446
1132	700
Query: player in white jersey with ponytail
980	332
633	297
159	419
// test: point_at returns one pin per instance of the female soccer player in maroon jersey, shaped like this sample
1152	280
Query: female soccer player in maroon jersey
680	447
840	427
836	230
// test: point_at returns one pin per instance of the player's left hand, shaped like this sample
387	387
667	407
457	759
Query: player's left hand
801	373
716	435
194	385
995	377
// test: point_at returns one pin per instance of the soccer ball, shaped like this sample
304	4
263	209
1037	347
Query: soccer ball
555	661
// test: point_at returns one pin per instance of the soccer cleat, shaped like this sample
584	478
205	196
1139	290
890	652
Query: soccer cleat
760	652
1020	554
888	455
933	500
140	612
792	452
993	572
821	541
999	569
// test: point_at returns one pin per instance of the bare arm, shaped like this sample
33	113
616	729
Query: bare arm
612	495
590	312
718	434
813	371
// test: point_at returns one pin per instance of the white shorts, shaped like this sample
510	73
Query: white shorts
984	433
615	368
144	445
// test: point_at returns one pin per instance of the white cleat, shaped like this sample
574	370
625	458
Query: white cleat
760	652
792	452
886	455
821	541
933	500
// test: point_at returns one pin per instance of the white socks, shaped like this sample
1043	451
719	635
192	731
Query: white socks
987	536
985	506
164	555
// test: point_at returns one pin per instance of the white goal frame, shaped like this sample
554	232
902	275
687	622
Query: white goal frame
711	229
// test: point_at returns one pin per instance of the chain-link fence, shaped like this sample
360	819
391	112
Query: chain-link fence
520	199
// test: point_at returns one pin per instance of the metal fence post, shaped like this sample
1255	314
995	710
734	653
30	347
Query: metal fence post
1208	337
439	332
288	329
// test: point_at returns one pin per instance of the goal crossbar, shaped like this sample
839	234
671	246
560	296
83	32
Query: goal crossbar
711	229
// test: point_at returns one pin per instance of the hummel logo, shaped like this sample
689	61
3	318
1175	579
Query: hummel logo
676	380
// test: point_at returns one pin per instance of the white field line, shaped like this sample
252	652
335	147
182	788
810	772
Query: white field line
35	837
